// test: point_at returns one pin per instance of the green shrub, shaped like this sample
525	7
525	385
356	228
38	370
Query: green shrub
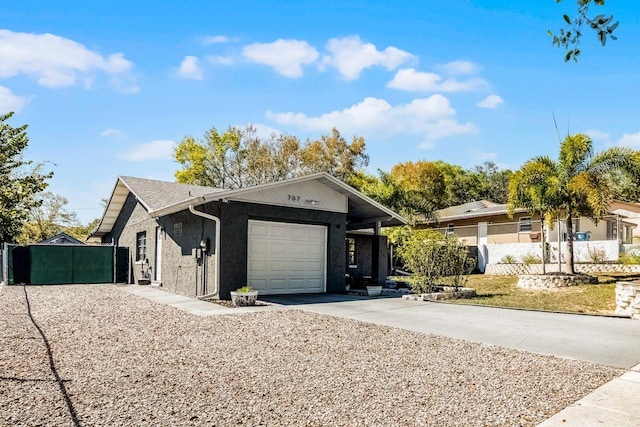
245	288
508	259
630	258
529	259
435	259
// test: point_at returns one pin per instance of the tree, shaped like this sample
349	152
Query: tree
240	158
570	36
20	180
48	219
434	259
423	183
577	184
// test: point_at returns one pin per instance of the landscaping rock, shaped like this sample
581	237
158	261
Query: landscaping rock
628	299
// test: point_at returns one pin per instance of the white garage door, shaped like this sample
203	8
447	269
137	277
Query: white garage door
286	258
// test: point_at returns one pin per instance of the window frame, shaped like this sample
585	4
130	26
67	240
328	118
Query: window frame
352	252
141	246
525	221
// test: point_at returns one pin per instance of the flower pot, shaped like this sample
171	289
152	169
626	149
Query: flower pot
374	290
242	299
144	281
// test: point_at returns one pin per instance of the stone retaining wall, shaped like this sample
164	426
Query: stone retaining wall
446	294
628	299
553	281
519	269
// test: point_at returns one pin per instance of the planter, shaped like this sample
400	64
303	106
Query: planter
242	299
144	281
374	291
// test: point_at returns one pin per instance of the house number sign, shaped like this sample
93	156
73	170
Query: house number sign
293	198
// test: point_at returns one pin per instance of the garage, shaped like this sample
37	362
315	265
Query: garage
286	258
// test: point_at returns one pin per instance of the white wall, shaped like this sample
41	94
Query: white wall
610	250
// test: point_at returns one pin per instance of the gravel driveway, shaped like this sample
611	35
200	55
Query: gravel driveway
118	359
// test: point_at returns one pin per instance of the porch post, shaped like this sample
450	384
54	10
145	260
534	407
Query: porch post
375	253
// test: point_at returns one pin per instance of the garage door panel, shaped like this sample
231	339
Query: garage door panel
297	266
278	230
258	229
315	250
279	266
258	266
259	248
286	258
315	266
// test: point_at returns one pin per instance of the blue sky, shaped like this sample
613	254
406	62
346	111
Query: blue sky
108	88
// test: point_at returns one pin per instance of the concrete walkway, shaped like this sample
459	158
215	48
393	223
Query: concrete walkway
190	305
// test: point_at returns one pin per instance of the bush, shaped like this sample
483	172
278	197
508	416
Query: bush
630	258
508	259
597	256
529	259
435	259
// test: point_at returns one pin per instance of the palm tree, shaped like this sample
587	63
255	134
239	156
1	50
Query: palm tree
577	184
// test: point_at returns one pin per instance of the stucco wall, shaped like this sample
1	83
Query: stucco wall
181	273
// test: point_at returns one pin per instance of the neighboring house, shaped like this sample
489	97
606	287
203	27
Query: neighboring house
487	225
485	222
292	236
62	239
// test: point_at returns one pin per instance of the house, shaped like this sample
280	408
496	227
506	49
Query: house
488	226
62	239
293	236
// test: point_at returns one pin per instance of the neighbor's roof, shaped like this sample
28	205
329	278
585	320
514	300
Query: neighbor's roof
161	198
478	209
62	239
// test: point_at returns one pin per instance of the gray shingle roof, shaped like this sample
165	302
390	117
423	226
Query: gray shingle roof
159	194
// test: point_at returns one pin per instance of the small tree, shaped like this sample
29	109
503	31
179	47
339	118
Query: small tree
20	180
434	259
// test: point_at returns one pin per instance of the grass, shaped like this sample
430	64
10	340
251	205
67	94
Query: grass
502	291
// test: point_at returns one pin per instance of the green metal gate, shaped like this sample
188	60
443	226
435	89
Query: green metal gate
69	264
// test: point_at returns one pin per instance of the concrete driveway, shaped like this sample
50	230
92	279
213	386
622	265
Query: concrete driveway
606	340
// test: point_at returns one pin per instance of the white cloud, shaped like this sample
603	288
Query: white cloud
350	56
597	134
10	102
55	61
155	150
431	117
459	67
209	40
264	131
411	80
286	56
491	101
190	68
112	132
219	60
630	140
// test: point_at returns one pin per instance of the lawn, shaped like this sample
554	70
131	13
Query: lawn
502	291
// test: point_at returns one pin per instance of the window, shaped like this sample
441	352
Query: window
141	246
524	224
351	252
450	228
